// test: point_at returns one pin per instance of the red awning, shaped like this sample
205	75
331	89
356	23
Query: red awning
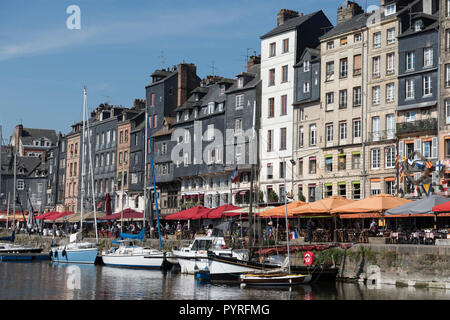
218	212
46	214
445	207
198	212
57	215
127	214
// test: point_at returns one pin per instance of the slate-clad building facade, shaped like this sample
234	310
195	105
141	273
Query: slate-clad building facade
418	47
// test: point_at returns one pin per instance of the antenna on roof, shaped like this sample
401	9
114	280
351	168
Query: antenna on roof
213	68
163	59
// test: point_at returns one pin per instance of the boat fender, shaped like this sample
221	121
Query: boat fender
308	258
64	252
55	254
50	253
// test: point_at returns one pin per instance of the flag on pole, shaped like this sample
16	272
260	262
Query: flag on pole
426	188
235	175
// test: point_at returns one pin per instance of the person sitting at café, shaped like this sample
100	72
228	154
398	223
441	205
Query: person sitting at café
373	228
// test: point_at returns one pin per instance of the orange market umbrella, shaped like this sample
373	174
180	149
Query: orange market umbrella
322	207
281	210
372	207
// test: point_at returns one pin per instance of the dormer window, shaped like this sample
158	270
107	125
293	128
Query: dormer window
240	82
418	25
220	107
195	112
306	66
211	106
186	115
196	97
178	116
390	9
222	89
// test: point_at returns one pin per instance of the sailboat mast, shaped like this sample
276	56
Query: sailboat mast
154	186
91	169
286	212
83	152
145	174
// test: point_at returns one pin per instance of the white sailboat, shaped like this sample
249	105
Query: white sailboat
77	251
128	254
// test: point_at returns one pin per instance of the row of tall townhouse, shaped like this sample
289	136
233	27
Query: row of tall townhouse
366	94
324	110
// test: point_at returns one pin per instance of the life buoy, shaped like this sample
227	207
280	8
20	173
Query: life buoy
308	258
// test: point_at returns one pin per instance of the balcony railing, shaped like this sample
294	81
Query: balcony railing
383	135
417	126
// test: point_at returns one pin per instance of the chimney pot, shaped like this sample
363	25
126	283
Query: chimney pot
284	15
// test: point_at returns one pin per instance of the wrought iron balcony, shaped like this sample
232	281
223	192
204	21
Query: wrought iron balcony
381	135
416	126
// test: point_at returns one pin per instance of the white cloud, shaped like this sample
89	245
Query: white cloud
196	23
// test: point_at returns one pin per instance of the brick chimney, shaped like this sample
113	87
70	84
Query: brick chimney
187	81
348	11
253	61
284	15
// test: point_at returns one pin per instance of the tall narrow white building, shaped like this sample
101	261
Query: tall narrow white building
281	49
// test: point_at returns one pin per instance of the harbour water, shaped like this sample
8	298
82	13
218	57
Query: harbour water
46	280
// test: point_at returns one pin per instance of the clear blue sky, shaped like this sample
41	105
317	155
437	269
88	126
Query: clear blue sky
44	65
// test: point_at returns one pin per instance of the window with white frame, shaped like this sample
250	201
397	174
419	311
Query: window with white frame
357	96
20	184
428	57
312	135
389	9
329	71
306	66
447	75
390	92
376	95
272	49
390	63
377	40
410	60
410	89
390	124
410	116
343	68
390	157
343	131
447	111
329	132
187	136
330	45
301	136
211	107
376	158
418	25
376	62
306	87
240	101
210	132
343	99
357	128
238	126
285	45
357	37
330	100
427	89
391	36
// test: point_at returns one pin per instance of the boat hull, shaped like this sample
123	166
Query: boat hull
133	261
224	269
87	256
274	279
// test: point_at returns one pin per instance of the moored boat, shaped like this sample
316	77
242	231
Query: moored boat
132	256
273	278
80	252
195	256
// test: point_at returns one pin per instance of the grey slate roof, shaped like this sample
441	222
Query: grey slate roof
355	23
30	134
255	72
289	25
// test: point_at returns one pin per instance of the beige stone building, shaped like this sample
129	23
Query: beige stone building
343	106
381	75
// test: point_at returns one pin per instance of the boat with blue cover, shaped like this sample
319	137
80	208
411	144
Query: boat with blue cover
129	255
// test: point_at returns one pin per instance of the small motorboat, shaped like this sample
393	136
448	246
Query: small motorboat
273	278
131	256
